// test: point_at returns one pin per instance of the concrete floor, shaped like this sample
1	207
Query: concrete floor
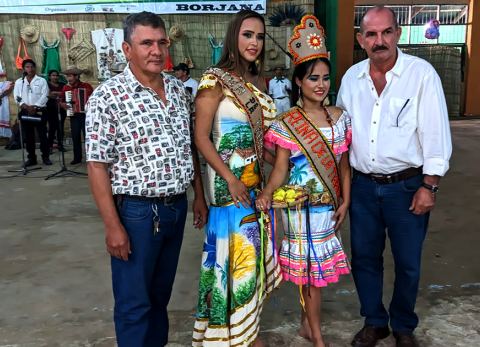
55	278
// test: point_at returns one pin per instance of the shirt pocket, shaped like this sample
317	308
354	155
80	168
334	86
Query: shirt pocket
401	113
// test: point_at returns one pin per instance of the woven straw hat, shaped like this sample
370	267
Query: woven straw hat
29	33
176	32
73	70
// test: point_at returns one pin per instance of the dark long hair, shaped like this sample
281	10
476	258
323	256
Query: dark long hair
230	59
302	70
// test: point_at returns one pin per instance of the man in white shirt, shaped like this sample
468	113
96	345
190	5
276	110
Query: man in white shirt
31	95
401	146
279	89
182	72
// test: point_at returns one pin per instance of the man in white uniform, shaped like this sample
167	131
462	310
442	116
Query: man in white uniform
279	89
182	72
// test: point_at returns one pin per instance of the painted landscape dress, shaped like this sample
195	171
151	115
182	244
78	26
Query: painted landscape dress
311	257
230	301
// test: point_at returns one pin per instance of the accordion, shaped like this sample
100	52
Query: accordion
77	99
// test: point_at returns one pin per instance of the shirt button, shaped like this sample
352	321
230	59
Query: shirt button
373	141
374	122
376	104
373	159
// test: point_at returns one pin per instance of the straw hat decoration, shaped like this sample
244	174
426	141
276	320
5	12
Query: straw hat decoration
73	70
176	32
29	33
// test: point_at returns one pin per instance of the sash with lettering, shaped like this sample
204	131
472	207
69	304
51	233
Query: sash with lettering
316	149
249	103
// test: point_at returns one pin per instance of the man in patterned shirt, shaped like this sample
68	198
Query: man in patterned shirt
140	164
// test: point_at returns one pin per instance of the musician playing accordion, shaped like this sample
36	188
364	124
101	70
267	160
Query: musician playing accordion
31	95
74	98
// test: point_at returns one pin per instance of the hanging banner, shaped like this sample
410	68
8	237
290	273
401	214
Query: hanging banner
129	6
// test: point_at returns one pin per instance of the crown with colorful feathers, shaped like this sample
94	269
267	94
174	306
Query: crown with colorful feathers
307	41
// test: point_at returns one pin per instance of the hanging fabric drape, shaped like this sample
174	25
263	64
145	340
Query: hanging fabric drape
217	47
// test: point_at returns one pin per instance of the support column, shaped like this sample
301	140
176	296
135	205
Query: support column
472	87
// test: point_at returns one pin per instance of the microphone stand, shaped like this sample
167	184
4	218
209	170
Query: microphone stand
63	172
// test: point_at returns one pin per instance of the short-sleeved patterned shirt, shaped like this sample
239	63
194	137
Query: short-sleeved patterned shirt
147	144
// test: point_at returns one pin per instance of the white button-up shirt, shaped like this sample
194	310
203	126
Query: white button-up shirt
33	93
405	126
279	88
146	143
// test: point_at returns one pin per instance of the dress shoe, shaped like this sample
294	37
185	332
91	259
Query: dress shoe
369	336
75	161
405	340
47	161
31	162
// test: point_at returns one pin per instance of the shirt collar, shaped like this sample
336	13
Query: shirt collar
136	85
397	69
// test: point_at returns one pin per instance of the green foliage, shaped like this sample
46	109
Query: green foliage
311	186
218	311
207	280
240	136
222	195
243	293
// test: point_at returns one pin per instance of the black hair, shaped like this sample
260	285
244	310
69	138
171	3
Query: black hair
302	70
144	18
53	71
26	61
379	8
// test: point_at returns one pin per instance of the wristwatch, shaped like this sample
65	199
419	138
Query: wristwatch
431	187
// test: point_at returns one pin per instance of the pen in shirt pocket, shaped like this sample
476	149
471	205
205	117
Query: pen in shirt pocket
404	105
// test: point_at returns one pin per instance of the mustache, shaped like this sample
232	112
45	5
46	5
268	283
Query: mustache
379	48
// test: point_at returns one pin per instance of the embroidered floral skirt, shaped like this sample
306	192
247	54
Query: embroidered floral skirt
314	256
234	278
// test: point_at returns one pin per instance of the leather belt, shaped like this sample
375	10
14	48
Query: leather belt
391	178
166	200
282	97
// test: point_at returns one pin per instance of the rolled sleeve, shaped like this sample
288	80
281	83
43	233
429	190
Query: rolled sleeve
101	130
434	127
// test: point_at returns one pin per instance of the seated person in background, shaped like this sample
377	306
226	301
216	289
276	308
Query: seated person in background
182	72
279	88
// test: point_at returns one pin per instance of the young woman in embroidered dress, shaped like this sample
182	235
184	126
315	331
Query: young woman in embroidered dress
237	270
315	140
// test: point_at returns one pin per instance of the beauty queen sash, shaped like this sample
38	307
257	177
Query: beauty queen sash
316	149
249	103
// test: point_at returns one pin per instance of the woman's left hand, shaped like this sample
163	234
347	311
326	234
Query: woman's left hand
340	215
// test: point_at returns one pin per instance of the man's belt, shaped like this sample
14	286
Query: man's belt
282	97
391	178
166	200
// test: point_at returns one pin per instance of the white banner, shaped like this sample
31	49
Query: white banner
126	6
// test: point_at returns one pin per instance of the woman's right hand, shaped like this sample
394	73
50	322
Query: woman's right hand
264	201
239	192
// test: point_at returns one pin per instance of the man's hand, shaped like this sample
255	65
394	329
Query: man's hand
200	212
423	201
118	244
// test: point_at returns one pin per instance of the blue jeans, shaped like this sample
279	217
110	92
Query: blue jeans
142	285
378	209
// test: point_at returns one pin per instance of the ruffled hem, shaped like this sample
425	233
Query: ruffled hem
315	281
271	140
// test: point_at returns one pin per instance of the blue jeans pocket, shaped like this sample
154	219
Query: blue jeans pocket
133	210
412	184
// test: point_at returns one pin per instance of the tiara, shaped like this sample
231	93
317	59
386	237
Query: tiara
307	41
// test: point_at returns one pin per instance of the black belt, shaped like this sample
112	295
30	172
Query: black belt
282	97
166	200
391	178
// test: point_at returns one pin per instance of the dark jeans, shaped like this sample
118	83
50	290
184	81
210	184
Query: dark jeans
55	129
142	285
29	127
377	210
77	125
